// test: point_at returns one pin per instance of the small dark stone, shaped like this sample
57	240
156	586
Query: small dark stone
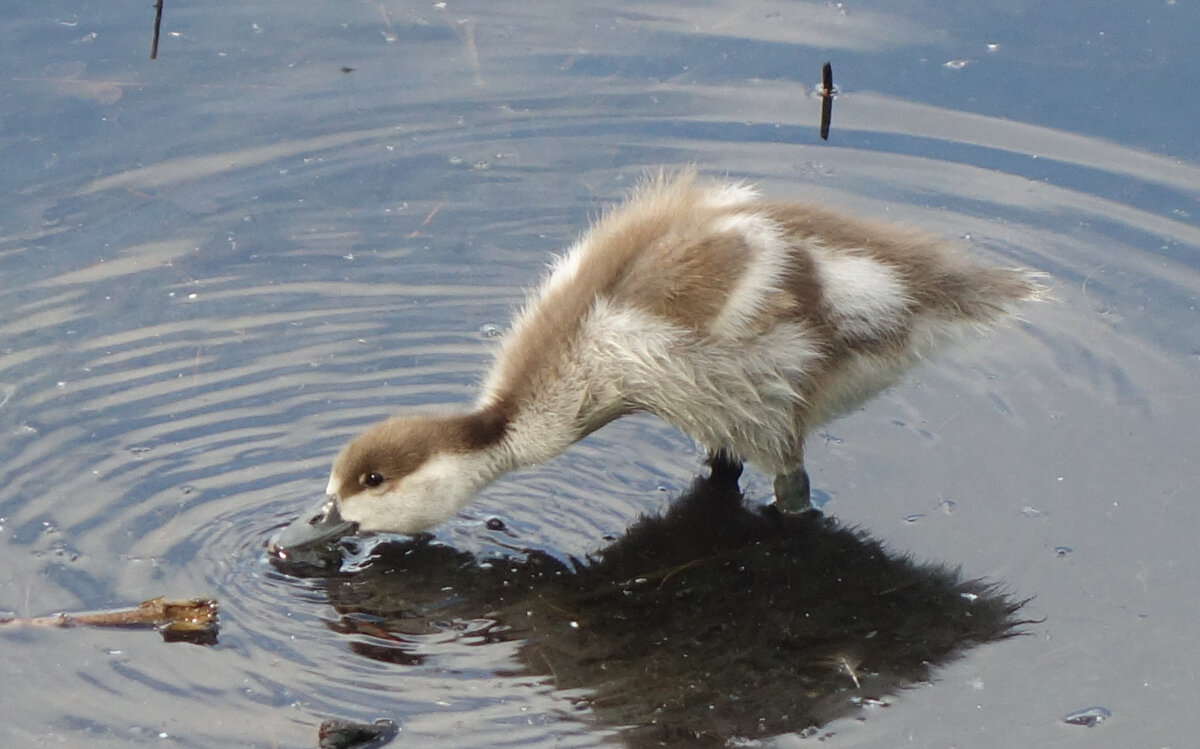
345	734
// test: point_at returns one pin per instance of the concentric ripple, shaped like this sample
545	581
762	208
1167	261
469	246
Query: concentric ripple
190	327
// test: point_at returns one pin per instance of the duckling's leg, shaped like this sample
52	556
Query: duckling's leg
791	490
723	467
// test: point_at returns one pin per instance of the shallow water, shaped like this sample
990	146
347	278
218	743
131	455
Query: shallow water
216	267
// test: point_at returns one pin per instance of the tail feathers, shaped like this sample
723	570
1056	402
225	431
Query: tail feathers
987	295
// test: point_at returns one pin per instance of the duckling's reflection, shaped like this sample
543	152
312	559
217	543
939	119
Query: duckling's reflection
712	622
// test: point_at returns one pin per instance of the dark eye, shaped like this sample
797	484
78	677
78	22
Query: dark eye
372	479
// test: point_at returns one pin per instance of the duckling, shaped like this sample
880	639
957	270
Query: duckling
744	322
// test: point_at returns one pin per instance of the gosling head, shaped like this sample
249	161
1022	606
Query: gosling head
403	475
407	474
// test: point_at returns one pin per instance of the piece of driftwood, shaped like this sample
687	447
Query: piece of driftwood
177	620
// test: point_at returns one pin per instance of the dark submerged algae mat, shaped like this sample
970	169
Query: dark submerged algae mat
710	623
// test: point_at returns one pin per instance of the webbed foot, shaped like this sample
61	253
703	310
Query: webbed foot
792	491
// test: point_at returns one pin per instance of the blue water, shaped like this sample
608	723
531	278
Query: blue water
217	266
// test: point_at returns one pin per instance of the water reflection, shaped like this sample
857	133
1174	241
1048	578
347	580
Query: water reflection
212	280
708	623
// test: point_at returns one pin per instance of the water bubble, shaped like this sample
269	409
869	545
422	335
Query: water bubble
64	553
491	330
1089	716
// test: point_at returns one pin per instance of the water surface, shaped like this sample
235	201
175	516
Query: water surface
216	267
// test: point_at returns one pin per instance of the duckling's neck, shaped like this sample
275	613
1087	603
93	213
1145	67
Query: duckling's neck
514	437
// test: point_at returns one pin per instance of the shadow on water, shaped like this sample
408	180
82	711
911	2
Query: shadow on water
709	623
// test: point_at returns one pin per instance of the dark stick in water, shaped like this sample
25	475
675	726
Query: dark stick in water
157	26
827	91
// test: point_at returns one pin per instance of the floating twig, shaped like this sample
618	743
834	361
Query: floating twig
827	92
417	232
190	620
157	26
